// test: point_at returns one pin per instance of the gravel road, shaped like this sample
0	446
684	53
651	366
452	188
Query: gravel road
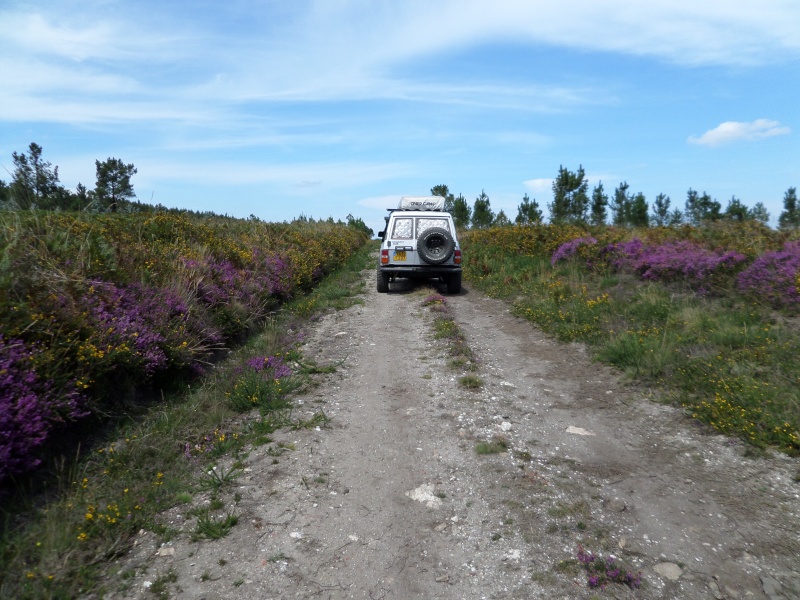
391	500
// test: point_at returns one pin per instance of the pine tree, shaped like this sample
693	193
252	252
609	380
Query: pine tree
35	181
482	215
443	191
661	215
462	213
113	182
528	212
736	211
570	200
599	214
501	220
790	217
638	216
620	205
701	209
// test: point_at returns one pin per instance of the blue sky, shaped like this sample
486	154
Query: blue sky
326	108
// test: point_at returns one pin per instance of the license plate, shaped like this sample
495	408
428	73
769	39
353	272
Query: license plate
399	255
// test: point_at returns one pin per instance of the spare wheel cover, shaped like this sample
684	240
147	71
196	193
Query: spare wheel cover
435	246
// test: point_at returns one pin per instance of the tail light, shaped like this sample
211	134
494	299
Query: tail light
384	257
457	257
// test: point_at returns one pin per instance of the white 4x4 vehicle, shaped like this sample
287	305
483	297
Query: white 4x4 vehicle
420	242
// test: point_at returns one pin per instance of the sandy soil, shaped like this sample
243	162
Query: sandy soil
391	500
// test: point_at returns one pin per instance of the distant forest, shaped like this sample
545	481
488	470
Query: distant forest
35	185
572	204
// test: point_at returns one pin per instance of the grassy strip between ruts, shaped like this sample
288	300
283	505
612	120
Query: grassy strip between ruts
445	328
59	545
730	361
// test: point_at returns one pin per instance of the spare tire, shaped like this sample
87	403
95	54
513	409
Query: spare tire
435	246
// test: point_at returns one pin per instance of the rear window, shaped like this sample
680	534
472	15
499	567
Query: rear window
425	223
402	229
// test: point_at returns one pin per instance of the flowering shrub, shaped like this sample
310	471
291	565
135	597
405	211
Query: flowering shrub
681	260
272	366
602	571
263	383
773	277
118	301
29	406
567	250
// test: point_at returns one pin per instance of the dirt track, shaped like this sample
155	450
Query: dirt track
390	499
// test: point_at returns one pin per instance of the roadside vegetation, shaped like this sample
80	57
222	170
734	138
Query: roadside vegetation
706	315
117	331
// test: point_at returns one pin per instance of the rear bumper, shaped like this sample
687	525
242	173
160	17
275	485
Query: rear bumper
420	271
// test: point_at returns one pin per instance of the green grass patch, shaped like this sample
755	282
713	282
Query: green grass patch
212	527
493	446
471	381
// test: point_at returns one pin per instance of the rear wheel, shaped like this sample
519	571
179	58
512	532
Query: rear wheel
454	283
382	281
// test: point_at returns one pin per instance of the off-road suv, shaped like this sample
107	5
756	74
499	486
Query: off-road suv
419	242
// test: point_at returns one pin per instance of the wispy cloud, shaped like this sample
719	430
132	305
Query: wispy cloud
350	50
539	186
736	131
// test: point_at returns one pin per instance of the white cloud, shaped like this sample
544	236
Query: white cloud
735	131
168	60
539	186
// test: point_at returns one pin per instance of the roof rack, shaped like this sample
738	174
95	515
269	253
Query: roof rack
421	203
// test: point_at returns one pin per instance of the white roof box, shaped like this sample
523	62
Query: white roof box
421	203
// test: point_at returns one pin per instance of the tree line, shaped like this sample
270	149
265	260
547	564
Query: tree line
35	185
573	204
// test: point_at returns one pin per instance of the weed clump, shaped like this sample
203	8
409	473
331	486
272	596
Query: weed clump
602	571
494	446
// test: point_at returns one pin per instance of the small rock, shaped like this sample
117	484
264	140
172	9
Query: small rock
440	527
669	570
424	494
166	552
443	579
772	587
729	593
514	555
578	430
616	505
715	590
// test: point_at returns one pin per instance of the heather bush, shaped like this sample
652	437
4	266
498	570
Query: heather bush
569	249
262	383
29	405
114	303
602	571
681	260
773	277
